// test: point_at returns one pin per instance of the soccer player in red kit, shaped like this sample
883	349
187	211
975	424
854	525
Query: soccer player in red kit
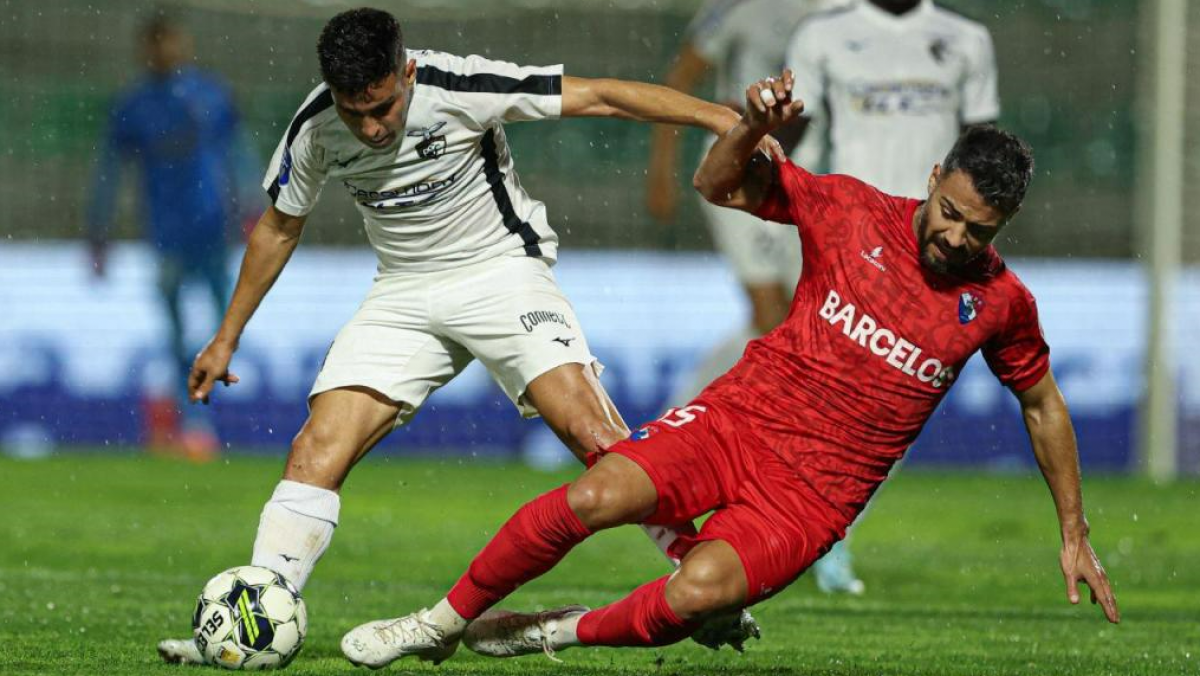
786	448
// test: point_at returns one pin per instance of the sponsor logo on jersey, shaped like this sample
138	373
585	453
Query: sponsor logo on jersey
968	307
873	258
531	320
285	167
902	97
431	147
899	353
404	197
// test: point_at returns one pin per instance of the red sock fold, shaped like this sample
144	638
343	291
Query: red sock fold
641	619
536	538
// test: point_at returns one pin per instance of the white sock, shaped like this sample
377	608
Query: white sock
715	364
295	529
445	616
566	635
663	537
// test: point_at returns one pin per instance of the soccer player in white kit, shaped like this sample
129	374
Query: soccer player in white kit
897	81
417	139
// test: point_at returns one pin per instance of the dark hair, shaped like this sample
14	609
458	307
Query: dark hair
358	48
999	163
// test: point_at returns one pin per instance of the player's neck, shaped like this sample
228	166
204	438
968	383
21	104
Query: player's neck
896	7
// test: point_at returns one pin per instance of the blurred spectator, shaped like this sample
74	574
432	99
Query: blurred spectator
178	125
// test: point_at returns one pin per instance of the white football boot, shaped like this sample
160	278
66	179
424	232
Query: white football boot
379	643
180	651
502	633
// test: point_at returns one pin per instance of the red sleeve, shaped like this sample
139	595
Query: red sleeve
1018	355
798	197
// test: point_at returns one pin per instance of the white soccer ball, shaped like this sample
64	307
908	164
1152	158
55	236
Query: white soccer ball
250	618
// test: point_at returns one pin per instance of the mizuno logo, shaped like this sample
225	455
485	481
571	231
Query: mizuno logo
565	341
285	557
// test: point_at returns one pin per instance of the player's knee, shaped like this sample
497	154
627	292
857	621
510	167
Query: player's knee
593	434
599	505
313	460
701	589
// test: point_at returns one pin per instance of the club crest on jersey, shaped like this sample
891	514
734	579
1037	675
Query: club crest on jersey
431	147
968	307
938	49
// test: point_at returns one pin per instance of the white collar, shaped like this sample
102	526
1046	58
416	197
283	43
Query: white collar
886	19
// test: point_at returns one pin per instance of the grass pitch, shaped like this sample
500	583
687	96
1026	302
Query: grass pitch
102	555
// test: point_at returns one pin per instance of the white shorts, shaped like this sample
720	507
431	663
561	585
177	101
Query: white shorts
415	332
761	252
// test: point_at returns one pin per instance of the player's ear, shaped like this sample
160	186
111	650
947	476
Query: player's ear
410	71
934	177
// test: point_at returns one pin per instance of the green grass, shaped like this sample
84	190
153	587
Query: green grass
100	556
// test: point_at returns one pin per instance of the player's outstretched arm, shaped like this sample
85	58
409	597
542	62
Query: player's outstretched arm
1053	438
641	101
733	173
268	249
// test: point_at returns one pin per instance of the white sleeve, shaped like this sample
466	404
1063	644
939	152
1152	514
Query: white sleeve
980	96
497	91
808	68
296	175
711	32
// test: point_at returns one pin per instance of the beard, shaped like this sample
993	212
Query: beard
931	262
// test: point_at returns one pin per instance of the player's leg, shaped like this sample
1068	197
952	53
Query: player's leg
298	521
615	491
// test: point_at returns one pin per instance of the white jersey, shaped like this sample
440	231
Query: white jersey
445	194
898	88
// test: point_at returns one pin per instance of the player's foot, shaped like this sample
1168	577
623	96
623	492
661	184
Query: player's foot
835	574
180	651
501	633
731	629
379	643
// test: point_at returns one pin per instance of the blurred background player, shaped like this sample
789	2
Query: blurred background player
732	39
895	81
179	126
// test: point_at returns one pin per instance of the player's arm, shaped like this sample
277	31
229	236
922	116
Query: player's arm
1053	439
643	102
734	173
268	249
688	70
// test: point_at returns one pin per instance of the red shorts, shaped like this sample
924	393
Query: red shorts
702	459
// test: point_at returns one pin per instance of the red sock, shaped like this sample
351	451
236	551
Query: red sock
641	619
537	537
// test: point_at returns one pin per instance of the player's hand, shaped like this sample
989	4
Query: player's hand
769	103
211	367
1080	564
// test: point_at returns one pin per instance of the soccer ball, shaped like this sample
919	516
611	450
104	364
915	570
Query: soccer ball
251	618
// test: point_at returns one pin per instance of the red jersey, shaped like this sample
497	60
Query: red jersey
873	339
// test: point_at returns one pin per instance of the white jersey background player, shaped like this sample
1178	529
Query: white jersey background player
900	79
417	141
